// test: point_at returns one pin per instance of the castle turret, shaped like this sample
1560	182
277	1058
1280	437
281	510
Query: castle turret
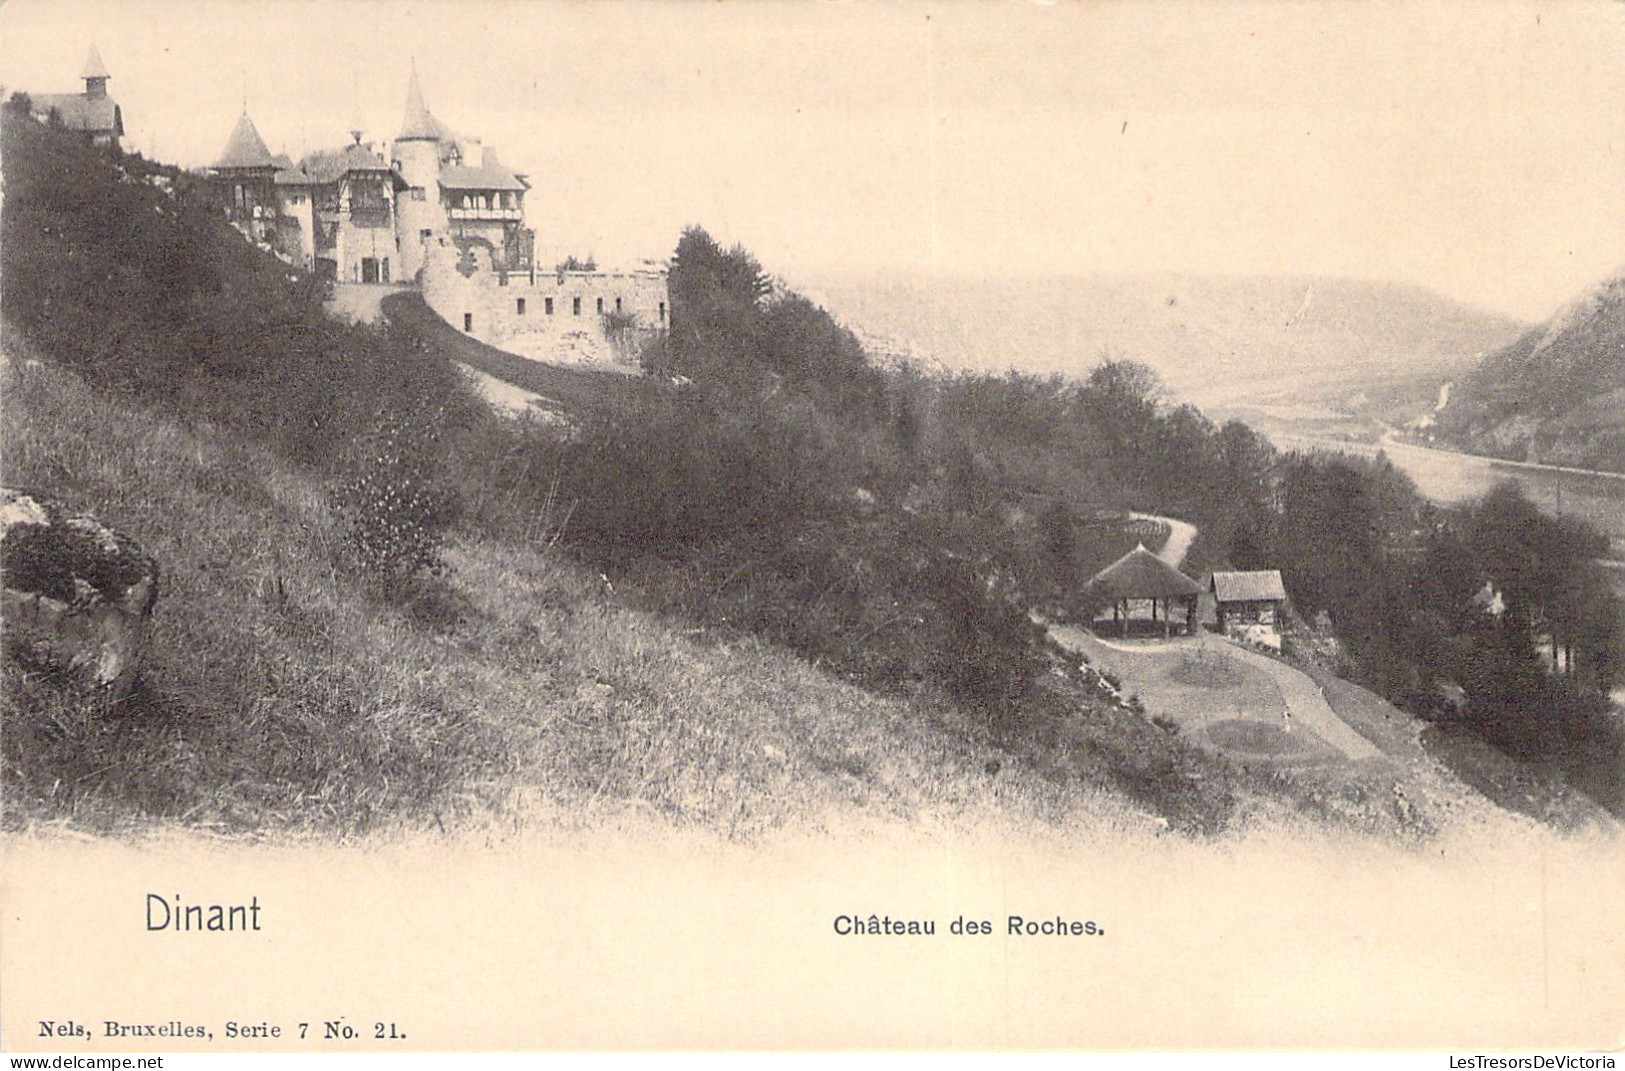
416	158
245	175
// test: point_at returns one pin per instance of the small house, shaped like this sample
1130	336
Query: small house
1248	605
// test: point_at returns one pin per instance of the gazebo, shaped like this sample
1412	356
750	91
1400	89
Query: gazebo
1141	576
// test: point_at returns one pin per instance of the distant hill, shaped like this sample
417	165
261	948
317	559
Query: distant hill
1219	342
1555	395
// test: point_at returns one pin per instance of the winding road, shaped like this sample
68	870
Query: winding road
1181	534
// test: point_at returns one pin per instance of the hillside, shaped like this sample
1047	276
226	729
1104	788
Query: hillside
1220	343
164	376
780	588
1556	395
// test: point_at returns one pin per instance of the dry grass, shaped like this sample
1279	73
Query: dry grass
620	713
272	698
282	695
513	696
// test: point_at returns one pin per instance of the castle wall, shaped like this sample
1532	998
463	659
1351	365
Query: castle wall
464	290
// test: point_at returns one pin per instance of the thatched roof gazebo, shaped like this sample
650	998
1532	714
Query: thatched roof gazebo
1141	576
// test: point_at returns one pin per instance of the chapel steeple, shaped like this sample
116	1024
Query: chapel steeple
95	75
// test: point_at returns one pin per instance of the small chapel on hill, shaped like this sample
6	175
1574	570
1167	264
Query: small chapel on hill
92	113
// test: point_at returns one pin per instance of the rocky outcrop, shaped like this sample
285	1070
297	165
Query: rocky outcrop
1556	395
78	596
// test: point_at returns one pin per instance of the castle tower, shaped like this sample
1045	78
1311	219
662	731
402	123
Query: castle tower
95	75
245	175
420	217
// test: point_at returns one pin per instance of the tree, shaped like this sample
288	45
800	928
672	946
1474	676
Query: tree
1119	401
1532	559
716	299
1328	538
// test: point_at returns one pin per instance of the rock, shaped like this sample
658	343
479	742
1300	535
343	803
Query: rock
78	595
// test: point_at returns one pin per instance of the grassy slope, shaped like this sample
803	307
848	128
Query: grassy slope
280	696
283	693
519	692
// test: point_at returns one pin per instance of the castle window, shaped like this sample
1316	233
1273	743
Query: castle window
575	306
425	233
600	306
521	306
418	193
468	321
662	312
617	304
547	306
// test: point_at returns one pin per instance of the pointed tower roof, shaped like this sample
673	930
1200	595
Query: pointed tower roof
418	124
94	67
245	148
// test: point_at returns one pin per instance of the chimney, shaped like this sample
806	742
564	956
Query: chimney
488	158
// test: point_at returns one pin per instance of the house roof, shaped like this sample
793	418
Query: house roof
293	176
79	112
94	67
245	148
330	165
287	173
1140	574
327	166
486	177
1260	585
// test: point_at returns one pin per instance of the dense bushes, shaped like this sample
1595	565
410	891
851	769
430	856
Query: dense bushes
394	513
140	287
122	270
767	493
664	471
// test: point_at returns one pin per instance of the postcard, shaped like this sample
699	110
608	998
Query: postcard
930	526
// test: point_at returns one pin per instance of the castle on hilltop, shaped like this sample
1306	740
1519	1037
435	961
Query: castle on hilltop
442	212
92	114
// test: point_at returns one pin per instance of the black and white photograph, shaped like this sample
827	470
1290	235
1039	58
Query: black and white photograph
646	525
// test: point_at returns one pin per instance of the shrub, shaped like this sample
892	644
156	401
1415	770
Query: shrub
394	514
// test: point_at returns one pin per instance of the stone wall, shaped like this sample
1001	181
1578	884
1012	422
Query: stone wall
558	315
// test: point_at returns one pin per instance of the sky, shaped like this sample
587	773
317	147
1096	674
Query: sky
1474	148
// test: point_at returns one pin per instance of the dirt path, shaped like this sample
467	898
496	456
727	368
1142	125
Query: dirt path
360	302
1307	704
507	398
1181	534
577	391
